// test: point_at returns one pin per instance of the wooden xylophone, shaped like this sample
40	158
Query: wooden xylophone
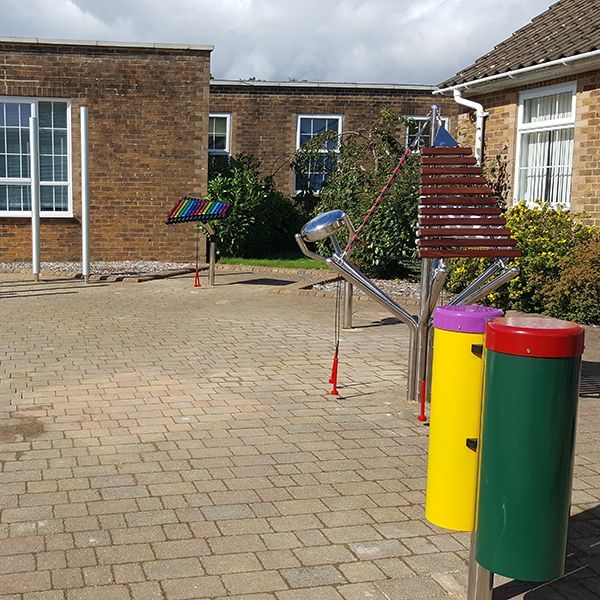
189	209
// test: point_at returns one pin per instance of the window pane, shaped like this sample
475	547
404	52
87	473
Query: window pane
319	126
60	142
13	142
59	110
2	166
25	114
220	125
45	114
46	198
545	167
546	108
61	198
14	197
12	114
26	197
219	143
14	165
305	126
3	197
2	109
25	165
45	142
46	172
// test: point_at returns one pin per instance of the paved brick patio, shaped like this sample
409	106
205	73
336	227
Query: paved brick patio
162	442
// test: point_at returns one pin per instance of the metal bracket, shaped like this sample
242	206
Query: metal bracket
477	349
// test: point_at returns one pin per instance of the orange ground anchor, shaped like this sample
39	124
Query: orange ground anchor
197	279
334	372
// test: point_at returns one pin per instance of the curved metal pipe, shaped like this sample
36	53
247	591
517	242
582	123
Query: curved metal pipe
476	283
492	285
362	282
304	248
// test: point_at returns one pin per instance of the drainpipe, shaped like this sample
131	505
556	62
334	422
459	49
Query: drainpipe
480	115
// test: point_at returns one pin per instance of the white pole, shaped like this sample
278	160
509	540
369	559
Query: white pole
34	167
85	196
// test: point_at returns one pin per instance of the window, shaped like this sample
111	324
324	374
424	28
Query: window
219	133
546	124
310	126
413	127
15	157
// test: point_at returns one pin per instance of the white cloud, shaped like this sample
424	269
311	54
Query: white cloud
394	41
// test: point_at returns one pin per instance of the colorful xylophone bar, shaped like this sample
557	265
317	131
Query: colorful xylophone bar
193	209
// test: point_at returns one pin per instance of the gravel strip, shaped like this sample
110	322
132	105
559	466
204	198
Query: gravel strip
123	267
392	287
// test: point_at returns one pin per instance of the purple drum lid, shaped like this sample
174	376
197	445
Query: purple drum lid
465	318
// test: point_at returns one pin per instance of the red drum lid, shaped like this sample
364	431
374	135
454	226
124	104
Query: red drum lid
541	337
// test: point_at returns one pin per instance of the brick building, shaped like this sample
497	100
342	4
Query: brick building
270	120
541	90
148	131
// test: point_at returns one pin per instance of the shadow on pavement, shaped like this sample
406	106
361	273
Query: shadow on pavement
590	384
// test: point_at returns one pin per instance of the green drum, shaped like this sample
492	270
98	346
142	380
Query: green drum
527	446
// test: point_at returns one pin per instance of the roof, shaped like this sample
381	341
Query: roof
323	84
568	28
106	44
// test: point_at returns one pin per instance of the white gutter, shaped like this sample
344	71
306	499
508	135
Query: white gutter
480	115
510	74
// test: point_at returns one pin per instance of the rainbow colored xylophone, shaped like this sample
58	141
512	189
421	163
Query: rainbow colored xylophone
193	209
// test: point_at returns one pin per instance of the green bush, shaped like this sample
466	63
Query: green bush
262	222
544	236
576	294
355	177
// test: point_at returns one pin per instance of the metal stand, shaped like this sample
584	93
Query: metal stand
34	167
481	581
348	293
85	196
212	250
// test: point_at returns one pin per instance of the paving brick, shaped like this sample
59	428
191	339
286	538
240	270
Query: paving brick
192	588
19	583
252	583
230	563
173	568
304	577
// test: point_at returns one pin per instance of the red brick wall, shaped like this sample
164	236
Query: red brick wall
264	118
148	130
501	136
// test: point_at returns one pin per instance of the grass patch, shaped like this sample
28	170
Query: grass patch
280	263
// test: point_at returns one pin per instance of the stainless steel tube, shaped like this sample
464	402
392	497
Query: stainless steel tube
362	282
481	581
348	292
476	283
491	286
212	261
85	195
34	166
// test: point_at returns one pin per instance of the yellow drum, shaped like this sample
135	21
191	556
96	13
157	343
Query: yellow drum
456	394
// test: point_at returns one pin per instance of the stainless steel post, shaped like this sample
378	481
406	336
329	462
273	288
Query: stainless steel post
435	113
85	196
348	292
34	166
421	341
481	581
212	257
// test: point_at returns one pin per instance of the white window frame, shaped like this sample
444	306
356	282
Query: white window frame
550	125
340	120
64	214
227	117
421	119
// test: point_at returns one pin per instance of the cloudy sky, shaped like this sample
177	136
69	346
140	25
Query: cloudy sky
385	41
